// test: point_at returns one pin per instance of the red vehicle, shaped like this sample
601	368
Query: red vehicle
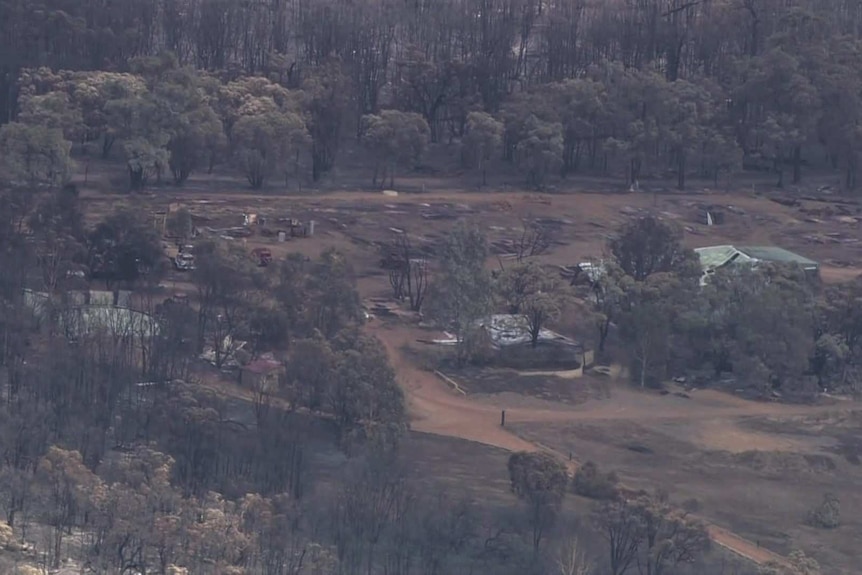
262	256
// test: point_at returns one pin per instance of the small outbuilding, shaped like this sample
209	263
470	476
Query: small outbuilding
505	341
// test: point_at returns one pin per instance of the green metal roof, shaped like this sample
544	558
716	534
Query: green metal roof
713	257
775	254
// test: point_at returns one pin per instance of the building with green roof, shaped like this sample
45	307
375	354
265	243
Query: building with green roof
717	257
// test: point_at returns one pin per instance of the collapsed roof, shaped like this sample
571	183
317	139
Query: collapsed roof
115	321
79	319
506	330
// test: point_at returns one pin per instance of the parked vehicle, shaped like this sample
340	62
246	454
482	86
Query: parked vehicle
262	256
184	261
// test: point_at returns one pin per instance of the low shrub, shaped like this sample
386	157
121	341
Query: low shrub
590	482
827	515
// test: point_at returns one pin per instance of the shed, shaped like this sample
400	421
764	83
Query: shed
507	342
779	255
716	257
510	344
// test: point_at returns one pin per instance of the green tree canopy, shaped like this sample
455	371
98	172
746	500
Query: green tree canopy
141	122
365	398
759	325
123	247
482	142
648	245
395	139
54	111
326	95
265	138
540	150
34	155
540	480
195	130
461	293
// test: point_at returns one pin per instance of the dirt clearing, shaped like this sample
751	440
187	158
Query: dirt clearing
707	446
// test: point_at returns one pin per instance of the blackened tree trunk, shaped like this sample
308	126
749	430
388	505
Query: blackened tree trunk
797	164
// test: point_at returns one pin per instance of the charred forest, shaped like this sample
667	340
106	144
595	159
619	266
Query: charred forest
142	438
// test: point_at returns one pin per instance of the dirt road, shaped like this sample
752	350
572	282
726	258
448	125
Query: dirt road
438	410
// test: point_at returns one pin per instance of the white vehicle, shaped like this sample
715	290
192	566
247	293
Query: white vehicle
184	261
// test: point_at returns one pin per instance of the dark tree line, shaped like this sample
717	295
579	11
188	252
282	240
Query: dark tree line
640	88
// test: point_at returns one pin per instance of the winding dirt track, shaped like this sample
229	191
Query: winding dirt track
438	410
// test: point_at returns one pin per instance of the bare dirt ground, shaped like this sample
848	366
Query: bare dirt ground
706	447
356	222
645	428
545	386
822	227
